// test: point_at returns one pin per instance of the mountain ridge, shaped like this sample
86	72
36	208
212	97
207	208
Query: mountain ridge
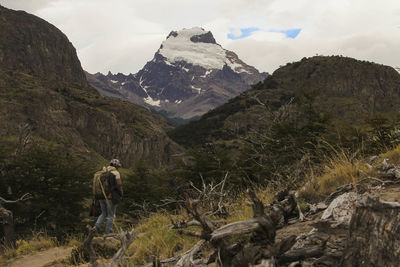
349	89
43	85
189	75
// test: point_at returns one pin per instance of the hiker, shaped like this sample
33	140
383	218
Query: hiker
110	196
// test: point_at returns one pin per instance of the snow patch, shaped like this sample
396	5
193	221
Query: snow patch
181	48
185	69
208	72
178	101
151	101
123	83
197	89
113	81
166	101
169	63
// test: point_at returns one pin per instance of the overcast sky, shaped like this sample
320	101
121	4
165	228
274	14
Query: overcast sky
122	35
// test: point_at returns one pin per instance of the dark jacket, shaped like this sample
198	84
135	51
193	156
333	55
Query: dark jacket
115	183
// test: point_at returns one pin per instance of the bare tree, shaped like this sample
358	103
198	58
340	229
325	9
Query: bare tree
7	219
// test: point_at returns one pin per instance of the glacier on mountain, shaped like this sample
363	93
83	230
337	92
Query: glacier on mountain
179	47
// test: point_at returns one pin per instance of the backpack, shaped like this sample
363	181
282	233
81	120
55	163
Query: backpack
101	184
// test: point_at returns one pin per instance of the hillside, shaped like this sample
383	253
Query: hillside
345	90
42	85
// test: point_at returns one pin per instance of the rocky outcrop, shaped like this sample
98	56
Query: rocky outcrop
33	46
346	86
42	85
189	75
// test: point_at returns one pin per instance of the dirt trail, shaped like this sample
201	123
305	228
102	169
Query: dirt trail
51	257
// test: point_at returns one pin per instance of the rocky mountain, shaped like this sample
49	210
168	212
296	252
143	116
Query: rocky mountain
43	87
189	75
347	90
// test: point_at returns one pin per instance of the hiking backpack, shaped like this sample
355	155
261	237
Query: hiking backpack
101	184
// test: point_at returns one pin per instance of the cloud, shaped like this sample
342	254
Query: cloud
122	35
29	6
373	46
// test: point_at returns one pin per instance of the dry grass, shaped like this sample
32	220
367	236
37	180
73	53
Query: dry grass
156	240
340	170
25	247
393	155
240	208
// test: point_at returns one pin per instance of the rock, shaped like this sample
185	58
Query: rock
341	209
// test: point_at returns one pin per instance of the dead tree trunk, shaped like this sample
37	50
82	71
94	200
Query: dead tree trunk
381	220
7	220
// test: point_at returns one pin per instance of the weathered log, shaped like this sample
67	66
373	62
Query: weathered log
266	263
126	241
286	244
242	227
381	220
187	259
301	254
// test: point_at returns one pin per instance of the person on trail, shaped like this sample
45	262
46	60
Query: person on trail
110	200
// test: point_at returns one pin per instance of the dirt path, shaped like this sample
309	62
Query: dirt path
51	257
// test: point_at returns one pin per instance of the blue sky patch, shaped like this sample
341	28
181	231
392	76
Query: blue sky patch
246	32
290	33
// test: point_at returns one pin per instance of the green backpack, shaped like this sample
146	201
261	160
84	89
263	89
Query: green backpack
101	184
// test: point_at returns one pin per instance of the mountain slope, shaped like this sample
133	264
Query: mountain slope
189	75
347	89
43	85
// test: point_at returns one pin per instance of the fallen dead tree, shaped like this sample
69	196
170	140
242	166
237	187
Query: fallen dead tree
260	246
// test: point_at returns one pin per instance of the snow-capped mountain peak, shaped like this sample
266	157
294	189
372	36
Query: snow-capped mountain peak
189	75
197	47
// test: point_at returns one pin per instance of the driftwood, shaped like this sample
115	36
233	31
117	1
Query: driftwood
301	254
187	258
